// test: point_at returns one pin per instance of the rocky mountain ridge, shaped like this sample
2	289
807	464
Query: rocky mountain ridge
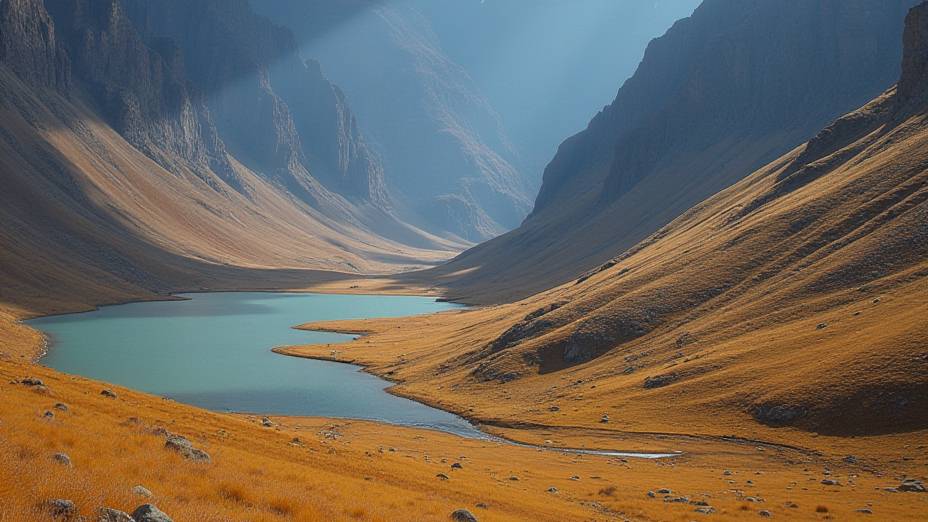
720	94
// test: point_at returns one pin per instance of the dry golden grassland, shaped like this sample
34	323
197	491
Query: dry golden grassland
323	469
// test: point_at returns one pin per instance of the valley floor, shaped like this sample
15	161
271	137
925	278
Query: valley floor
328	469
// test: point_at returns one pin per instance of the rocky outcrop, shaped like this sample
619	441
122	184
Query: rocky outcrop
141	88
913	84
29	45
276	112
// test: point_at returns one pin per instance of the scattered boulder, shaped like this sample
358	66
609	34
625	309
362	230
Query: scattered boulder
552	489
481	505
660	380
266	422
32	381
149	513
664	491
456	465
575	477
865	511
62	458
651	494
912	486
441	476
705	510
61	406
142	491
778	414
463	515
820	326
830	482
48	415
113	515
677	500
764	513
108	393
60	508
604	419
727	473
513	478
850	459
185	448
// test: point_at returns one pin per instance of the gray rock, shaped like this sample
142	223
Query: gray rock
441	476
830	482
677	500
664	491
61	406
142	491
764	513
106	392
32	381
727	473
48	415
463	515
819	326
552	489
62	458
456	465
60	508
513	478
605	418
266	422
660	380
705	510
113	515
149	513
850	459
778	414
865	511
912	486
185	448
651	494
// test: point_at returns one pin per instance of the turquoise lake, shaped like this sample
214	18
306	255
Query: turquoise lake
213	350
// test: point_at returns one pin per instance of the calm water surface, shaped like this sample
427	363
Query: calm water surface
214	351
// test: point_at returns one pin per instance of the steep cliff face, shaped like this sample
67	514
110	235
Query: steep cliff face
722	93
276	113
29	45
443	148
142	91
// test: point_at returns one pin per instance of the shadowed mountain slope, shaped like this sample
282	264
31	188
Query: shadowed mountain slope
443	147
722	93
796	297
119	181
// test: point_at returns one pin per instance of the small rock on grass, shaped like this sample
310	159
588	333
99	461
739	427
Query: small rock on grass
61	406
62	458
149	513
32	381
705	510
142	491
441	476
865	511
185	448
463	515
106	392
912	486
60	508
764	513
113	515
552	489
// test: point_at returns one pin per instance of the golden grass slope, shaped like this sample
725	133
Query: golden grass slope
318	469
797	297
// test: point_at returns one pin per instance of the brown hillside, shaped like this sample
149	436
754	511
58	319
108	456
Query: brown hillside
797	297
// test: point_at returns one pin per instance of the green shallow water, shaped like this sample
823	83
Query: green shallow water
214	351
